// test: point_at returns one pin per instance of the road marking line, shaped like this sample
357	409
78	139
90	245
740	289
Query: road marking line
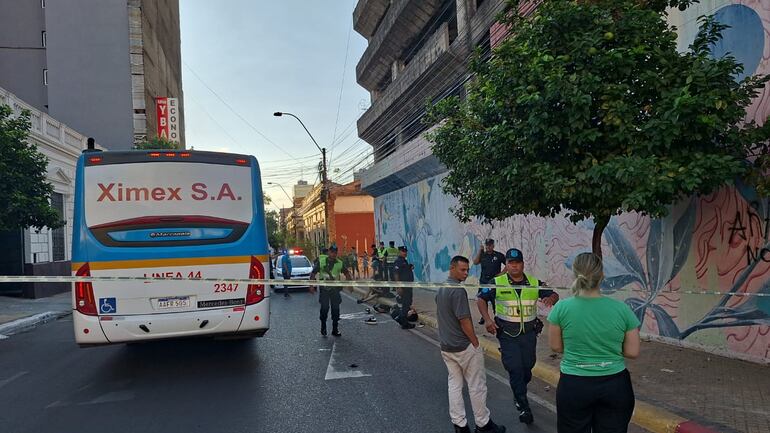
12	378
332	373
111	397
540	401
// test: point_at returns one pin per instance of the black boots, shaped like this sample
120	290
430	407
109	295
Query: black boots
525	413
526	417
336	330
491	427
323	329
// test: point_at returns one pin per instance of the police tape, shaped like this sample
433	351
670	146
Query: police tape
429	286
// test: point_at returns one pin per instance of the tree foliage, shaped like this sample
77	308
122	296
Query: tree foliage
157	143
275	234
24	190
588	107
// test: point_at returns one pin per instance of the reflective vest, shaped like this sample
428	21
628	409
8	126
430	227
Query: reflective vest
392	254
511	307
324	273
381	252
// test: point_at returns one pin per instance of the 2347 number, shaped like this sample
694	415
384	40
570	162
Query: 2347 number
225	287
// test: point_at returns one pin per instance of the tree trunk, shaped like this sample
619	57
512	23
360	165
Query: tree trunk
600	223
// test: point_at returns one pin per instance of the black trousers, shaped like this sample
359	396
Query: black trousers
406	302
286	276
594	404
518	353
330	297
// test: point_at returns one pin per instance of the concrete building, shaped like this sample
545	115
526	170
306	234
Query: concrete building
659	267
351	217
418	50
44	252
95	65
295	225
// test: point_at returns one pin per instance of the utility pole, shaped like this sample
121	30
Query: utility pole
324	179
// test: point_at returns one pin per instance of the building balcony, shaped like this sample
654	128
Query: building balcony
406	96
367	16
407	165
403	21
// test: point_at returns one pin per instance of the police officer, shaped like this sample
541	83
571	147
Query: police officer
391	254
491	262
329	267
516	324
404	271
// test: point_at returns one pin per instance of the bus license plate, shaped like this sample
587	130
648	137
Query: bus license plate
178	302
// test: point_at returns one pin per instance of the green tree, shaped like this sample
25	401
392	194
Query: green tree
157	143
24	191
588	107
275	234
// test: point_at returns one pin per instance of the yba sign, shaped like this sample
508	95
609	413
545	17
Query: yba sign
168	118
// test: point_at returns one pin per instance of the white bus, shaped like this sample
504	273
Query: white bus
170	214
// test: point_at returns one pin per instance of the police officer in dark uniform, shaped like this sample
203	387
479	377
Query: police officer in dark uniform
404	271
491	262
329	267
516	324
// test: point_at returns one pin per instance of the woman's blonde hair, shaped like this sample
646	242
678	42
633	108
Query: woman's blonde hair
588	271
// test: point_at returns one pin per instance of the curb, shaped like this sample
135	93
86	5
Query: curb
25	323
647	416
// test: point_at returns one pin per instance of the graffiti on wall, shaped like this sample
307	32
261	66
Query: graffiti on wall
717	243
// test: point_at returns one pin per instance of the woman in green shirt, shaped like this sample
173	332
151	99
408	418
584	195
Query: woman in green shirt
596	334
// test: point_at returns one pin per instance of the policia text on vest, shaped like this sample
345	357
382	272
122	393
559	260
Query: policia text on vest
516	324
329	267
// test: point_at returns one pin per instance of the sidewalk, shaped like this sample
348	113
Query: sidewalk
17	314
677	390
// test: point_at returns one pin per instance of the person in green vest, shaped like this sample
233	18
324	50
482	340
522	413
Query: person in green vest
391	254
326	268
516	324
381	255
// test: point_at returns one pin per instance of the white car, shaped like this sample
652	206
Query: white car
300	270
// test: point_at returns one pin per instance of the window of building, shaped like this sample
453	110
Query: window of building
43	37
42	4
45	77
57	235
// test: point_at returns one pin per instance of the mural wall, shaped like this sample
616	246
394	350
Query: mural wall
717	243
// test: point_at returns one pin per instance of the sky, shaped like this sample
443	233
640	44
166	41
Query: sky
242	60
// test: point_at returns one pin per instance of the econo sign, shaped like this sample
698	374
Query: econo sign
167	110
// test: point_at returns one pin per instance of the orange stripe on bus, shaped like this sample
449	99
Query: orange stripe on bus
157	263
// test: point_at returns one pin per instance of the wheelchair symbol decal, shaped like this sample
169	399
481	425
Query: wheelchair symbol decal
107	305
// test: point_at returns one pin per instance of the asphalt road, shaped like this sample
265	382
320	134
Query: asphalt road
292	380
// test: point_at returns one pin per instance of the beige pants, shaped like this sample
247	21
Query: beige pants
467	366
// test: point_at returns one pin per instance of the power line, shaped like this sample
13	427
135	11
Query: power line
236	113
342	85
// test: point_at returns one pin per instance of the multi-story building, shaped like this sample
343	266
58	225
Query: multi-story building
295	225
96	66
418	51
350	214
44	251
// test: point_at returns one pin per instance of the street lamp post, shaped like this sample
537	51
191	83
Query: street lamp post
294	211
324	179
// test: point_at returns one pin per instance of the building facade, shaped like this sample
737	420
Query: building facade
717	243
95	65
45	251
295	224
350	213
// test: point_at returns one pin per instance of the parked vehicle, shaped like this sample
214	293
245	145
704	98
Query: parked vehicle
301	267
